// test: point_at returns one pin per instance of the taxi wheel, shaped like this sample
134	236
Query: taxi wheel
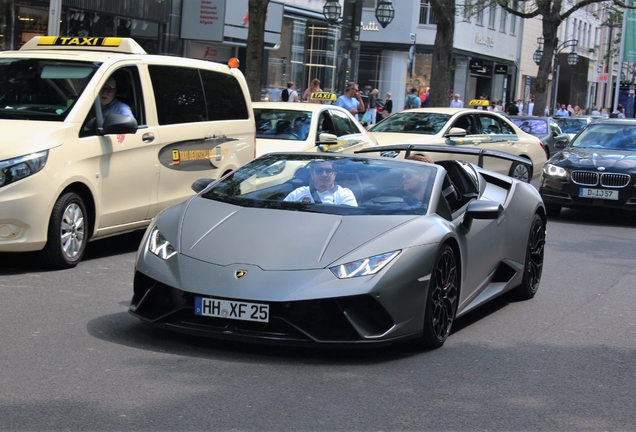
67	236
520	172
442	300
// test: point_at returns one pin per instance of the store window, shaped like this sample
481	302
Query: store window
31	22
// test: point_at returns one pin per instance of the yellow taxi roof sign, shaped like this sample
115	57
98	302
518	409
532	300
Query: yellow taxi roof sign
110	44
323	96
479	102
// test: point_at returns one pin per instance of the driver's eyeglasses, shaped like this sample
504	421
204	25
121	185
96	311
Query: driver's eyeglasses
323	170
408	174
107	90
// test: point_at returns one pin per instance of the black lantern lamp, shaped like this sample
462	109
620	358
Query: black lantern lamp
332	11
573	59
384	12
538	54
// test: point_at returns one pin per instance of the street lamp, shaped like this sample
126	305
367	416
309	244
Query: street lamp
349	45
384	12
573	59
332	11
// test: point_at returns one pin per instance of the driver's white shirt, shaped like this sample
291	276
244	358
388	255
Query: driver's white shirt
336	195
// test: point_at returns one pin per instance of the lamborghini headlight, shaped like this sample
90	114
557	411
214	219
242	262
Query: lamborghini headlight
554	171
158	245
12	170
364	267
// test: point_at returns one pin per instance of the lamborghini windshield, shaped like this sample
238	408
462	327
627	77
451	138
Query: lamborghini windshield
329	184
41	89
607	136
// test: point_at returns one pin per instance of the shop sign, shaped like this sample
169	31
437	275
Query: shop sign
501	70
488	41
203	20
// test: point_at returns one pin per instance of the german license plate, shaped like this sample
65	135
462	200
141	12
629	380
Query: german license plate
231	309
598	193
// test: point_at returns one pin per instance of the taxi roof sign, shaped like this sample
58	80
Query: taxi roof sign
479	102
109	44
323	96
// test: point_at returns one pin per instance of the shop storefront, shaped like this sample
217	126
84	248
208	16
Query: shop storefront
22	20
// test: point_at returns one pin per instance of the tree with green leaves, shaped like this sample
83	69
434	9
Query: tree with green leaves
257	11
552	13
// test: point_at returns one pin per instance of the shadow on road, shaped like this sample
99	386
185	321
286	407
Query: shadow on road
29	262
124	329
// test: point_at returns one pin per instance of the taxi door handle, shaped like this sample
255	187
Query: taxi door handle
148	137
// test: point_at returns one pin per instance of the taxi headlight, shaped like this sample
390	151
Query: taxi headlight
364	267
554	171
12	170
158	245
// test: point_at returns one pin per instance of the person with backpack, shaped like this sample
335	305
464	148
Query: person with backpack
289	94
618	112
412	100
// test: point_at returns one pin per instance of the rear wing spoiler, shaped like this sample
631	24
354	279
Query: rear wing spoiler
394	151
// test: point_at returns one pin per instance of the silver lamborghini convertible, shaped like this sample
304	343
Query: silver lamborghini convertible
323	248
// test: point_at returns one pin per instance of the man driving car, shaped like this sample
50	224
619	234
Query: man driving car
324	188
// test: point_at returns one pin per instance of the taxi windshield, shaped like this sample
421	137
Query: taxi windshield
425	123
322	183
41	89
280	124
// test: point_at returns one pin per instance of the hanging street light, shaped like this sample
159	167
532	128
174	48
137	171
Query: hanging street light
384	12
332	11
537	56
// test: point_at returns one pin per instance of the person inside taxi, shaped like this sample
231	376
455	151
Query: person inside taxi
111	105
324	188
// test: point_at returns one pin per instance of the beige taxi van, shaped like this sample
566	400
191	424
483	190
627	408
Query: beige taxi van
97	137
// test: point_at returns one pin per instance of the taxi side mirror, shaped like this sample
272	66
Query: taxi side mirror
326	138
115	124
456	132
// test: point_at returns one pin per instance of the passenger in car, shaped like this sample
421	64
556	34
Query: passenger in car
414	181
323	187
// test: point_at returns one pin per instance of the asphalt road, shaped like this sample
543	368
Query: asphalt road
72	357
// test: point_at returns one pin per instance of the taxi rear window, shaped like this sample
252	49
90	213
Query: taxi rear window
191	95
41	89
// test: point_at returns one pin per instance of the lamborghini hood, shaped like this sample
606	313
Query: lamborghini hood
224	234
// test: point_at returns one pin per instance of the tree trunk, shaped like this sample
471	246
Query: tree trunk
255	47
444	11
550	24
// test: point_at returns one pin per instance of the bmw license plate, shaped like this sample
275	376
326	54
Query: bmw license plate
598	193
231	309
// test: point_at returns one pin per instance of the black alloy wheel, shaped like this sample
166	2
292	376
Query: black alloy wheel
442	300
534	260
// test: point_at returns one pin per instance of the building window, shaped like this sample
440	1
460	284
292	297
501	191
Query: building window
426	13
492	19
502	21
467	10
513	18
479	17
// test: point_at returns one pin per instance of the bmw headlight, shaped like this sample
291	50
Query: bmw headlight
364	267
554	171
12	170
158	245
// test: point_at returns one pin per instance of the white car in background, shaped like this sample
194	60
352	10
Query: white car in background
463	127
302	127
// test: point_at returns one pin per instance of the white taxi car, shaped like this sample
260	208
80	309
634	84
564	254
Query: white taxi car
68	175
464	127
290	127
